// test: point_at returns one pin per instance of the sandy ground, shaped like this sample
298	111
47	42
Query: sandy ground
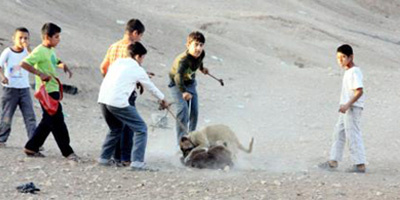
282	87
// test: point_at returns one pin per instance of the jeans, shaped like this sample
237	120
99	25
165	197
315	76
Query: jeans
51	123
187	116
124	145
11	99
116	118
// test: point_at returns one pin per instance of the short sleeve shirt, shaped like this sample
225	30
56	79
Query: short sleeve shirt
115	51
44	60
352	80
16	75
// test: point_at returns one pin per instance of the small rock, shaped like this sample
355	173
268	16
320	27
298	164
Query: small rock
277	183
379	193
121	22
263	182
337	185
227	168
240	106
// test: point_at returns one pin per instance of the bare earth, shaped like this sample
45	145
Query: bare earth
282	85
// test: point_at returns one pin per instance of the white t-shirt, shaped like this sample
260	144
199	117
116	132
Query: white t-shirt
352	80
17	76
121	80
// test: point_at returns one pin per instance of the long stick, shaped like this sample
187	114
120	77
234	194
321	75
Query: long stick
179	122
218	79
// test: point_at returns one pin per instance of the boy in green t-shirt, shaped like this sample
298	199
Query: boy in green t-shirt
43	63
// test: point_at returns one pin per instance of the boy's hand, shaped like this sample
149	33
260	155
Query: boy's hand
205	70
66	70
44	77
139	86
187	96
150	74
4	80
163	104
344	108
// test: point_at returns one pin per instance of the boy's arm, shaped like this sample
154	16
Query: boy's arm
104	67
64	66
145	81
3	58
4	79
32	70
357	94
106	62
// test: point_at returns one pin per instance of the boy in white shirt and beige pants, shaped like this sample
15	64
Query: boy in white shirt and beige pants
351	105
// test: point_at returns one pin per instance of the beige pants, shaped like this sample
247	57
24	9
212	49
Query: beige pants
348	127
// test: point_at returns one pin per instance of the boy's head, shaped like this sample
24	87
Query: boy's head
21	38
195	43
344	55
135	29
51	34
137	51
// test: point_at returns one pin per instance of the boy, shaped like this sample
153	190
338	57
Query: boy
114	93
351	106
15	81
134	31
183	82
43	62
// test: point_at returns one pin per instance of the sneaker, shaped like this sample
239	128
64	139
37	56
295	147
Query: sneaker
109	163
141	166
31	153
356	169
327	166
143	169
73	157
125	163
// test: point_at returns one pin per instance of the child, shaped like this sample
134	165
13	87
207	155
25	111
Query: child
43	62
114	93
183	82
15	81
351	106
134	31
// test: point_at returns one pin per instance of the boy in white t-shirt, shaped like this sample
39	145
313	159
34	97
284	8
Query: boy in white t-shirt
114	94
15	81
351	105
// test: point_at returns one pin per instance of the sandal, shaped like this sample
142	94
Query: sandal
327	166
73	157
31	153
355	169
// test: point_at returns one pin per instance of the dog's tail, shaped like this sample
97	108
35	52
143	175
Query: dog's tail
241	147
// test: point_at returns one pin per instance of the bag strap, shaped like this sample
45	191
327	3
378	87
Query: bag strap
59	86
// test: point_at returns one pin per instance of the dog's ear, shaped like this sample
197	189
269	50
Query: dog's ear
184	138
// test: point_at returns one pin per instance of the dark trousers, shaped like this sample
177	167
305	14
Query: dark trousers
56	125
124	145
11	99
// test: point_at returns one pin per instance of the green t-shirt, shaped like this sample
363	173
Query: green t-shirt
45	60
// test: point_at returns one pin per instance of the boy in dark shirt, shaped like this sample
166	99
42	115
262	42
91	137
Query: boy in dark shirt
183	82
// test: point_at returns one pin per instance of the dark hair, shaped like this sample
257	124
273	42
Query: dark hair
50	29
21	29
196	36
134	25
345	49
136	49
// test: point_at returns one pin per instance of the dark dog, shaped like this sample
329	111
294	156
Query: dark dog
216	157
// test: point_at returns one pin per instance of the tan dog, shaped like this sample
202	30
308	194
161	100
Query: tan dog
212	136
